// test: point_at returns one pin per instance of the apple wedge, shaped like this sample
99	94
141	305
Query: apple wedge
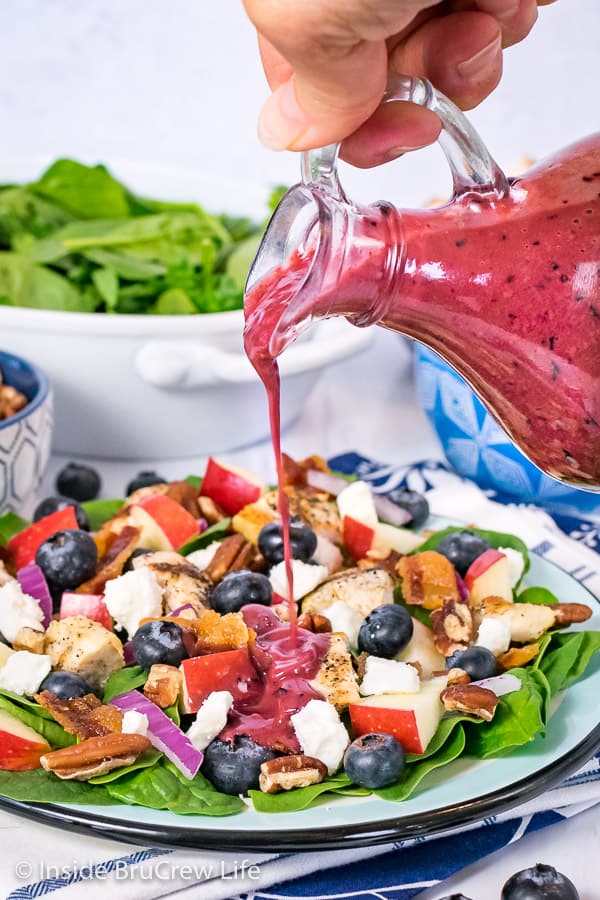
489	576
20	746
421	648
164	524
411	718
360	537
92	606
230	487
229	670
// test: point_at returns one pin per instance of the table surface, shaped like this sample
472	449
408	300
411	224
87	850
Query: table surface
354	407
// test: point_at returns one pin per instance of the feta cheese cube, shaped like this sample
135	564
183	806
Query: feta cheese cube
133	596
321	733
356	501
134	722
23	672
494	634
306	578
18	610
201	558
327	554
210	719
516	563
345	619
389	676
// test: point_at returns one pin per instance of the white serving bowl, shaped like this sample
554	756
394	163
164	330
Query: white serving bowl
150	387
25	437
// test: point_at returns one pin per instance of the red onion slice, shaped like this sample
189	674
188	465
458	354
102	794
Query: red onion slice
33	582
163	733
500	684
325	481
390	512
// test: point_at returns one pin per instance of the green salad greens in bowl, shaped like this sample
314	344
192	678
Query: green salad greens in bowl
78	240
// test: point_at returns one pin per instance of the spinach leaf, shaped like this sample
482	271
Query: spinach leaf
163	786
39	786
216	532
144	761
194	480
11	524
30	285
127	679
22	213
567	658
106	283
414	774
496	539
539	595
88	192
519	717
299	798
442	734
100	511
125	266
174	302
48	728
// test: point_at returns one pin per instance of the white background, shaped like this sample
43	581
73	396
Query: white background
178	82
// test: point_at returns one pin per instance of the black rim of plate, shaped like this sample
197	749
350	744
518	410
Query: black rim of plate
338	837
430	823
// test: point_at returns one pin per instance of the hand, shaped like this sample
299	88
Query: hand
327	63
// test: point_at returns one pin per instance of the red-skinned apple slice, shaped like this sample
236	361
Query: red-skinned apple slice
24	545
411	718
20	746
489	576
170	525
360	537
230	487
91	606
230	670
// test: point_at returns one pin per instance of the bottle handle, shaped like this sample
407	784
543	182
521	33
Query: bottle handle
473	168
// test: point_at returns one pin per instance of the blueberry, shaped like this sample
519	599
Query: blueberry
53	504
159	642
239	588
78	482
413	502
385	631
374	760
303	542
477	662
66	685
234	768
67	559
139	551
142	480
462	548
539	883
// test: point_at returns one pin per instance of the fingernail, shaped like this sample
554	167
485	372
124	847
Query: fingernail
281	122
509	13
395	152
486	58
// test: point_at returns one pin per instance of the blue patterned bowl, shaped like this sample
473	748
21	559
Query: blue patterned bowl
478	448
24	438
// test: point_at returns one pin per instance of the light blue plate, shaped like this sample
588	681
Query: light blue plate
462	792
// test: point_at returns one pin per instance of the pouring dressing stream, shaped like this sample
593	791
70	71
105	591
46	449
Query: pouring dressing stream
503	282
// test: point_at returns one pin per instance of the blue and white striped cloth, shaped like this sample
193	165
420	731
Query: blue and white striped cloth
37	861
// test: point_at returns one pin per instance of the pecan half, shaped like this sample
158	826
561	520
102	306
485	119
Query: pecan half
458	676
471	699
452	627
163	685
314	622
95	756
566	613
234	553
286	772
210	511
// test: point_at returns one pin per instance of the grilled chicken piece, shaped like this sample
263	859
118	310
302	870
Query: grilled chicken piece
315	508
83	716
77	644
528	621
361	589
428	579
336	678
181	581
